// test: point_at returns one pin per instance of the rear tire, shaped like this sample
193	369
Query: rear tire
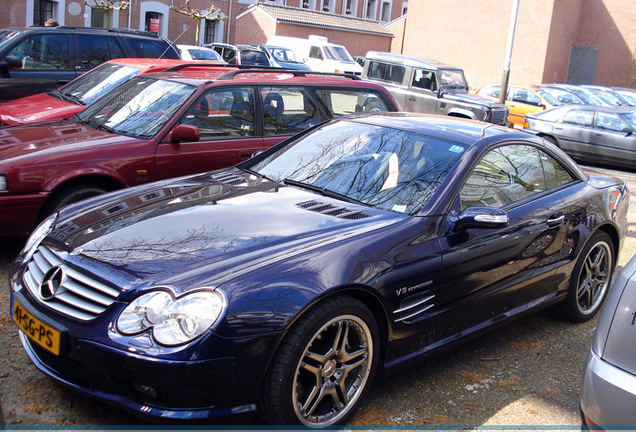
324	366
590	280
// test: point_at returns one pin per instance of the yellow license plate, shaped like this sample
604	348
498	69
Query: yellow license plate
40	333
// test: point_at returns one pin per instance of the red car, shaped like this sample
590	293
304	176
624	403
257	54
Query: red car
165	124
73	97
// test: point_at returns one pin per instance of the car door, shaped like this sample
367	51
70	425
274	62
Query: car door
574	132
46	65
522	101
490	273
422	94
612	139
229	134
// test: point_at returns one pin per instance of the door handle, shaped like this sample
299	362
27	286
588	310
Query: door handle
555	220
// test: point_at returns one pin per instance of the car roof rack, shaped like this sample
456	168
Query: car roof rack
295	72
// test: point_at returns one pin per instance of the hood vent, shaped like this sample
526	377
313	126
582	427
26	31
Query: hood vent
331	210
229	178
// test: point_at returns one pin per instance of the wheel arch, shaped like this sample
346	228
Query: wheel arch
101	181
612	232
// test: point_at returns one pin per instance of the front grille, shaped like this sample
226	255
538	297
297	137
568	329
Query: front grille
78	295
331	210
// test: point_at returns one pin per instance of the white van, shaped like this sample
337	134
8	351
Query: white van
318	54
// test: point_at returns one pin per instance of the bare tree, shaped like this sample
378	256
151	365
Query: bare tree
212	13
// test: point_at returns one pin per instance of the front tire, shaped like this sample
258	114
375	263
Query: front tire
590	280
324	366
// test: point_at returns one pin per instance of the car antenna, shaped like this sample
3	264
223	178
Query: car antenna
173	43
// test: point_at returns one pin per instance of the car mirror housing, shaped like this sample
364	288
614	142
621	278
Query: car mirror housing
11	62
482	217
185	132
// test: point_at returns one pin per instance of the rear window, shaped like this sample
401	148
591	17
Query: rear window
250	57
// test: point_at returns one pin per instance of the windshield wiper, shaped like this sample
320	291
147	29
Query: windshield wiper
323	191
70	98
102	126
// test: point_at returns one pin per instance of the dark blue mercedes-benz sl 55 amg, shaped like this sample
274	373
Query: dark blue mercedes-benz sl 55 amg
283	285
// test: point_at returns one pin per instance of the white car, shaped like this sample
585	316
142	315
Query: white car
194	52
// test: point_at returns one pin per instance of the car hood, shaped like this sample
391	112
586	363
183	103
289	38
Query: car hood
53	137
37	108
204	231
472	99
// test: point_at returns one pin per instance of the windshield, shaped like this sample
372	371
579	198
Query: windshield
204	54
335	52
453	79
139	108
99	81
390	169
284	55
6	36
548	97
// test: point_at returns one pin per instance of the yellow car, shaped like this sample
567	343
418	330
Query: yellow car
521	100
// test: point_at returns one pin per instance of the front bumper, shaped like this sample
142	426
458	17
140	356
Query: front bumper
157	388
19	213
608	394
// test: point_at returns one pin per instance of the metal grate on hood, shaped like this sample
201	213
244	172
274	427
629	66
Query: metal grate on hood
331	210
65	289
229	178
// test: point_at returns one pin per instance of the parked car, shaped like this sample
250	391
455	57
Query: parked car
589	133
194	52
521	100
430	87
319	54
73	97
587	97
608	385
240	54
562	95
162	125
281	57
627	95
40	59
284	284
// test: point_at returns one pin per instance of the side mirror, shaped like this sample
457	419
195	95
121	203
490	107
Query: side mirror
185	132
11	62
482	217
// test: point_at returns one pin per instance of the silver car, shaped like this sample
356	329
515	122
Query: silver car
608	387
589	133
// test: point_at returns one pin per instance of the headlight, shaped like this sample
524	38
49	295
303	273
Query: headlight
38	235
173	321
4	187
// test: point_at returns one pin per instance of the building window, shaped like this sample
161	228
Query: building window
348	4
371	7
98	18
210	30
325	6
304	4
385	14
152	22
42	11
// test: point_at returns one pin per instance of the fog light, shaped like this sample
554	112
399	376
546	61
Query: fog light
146	390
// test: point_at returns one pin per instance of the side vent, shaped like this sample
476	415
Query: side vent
331	210
229	178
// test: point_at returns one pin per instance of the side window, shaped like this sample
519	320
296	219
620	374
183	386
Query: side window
525	96
151	48
223	113
424	79
94	50
315	52
609	121
49	51
288	110
579	117
342	102
386	72
555	174
503	176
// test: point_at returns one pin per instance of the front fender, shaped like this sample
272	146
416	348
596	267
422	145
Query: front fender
462	112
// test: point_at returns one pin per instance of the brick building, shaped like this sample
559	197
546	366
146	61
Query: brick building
575	41
262	20
156	15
